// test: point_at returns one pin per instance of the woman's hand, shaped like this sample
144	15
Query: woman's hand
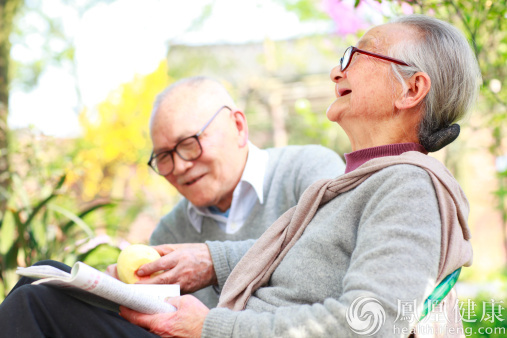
189	265
112	271
186	321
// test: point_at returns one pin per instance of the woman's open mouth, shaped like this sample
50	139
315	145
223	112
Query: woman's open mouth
343	92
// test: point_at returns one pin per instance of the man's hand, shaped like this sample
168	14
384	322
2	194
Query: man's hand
187	321
189	265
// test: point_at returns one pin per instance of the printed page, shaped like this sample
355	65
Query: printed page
140	297
42	271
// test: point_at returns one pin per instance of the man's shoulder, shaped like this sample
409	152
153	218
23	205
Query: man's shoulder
173	226
302	165
179	212
301	152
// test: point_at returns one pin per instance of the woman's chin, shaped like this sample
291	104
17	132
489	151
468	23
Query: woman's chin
332	115
334	112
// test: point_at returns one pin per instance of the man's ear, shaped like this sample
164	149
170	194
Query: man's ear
418	87
242	127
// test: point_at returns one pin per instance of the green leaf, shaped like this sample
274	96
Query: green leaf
65	228
7	232
38	207
101	256
45	201
79	222
61	181
11	257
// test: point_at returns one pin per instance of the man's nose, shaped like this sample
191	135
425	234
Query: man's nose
180	165
336	74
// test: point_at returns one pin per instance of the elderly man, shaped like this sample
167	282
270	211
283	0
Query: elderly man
232	190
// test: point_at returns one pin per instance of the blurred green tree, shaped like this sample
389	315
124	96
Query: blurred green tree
16	29
19	213
8	10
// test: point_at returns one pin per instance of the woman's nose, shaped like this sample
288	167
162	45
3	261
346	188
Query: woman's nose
336	74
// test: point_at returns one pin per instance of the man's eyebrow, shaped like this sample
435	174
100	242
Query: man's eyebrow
164	149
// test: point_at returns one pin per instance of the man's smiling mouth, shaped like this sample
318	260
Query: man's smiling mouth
193	181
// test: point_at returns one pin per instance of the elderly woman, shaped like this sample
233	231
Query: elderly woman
376	240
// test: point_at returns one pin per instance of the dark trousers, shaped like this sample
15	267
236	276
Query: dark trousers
44	311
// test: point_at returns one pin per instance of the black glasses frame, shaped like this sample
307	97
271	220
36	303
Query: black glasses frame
171	152
353	50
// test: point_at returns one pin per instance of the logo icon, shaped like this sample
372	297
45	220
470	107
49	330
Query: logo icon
365	316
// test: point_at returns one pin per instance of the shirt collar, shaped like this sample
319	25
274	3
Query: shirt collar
255	169
253	175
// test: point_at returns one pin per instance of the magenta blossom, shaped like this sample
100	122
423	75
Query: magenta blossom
345	16
349	19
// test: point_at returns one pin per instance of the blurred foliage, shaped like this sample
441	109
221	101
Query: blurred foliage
8	10
101	256
39	222
110	158
305	9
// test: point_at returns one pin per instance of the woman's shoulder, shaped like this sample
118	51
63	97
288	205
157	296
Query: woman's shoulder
399	177
403	169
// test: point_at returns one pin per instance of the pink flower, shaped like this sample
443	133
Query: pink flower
406	8
349	19
345	16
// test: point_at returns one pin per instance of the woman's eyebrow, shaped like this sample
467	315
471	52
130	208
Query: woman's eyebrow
364	42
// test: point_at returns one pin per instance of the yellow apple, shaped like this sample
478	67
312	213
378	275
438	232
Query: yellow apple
131	258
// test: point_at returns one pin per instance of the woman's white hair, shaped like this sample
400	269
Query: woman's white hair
441	51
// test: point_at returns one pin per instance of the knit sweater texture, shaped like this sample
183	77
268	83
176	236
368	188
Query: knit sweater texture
290	170
379	240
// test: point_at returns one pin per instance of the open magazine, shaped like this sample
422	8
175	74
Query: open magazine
98	288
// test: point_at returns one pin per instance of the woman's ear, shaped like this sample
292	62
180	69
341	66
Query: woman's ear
418	87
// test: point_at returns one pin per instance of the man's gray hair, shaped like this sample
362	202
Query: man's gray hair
196	83
441	51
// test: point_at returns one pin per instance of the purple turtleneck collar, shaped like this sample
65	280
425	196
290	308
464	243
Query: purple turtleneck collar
356	158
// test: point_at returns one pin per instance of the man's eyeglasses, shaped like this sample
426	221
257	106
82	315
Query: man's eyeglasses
349	52
188	149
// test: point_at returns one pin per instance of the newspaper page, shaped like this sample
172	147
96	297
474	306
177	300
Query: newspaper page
145	298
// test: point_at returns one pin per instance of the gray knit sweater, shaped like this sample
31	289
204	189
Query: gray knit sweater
290	170
379	240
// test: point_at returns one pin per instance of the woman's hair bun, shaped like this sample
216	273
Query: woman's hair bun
440	138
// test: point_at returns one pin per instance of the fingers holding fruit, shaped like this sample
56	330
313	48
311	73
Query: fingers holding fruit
189	265
131	258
